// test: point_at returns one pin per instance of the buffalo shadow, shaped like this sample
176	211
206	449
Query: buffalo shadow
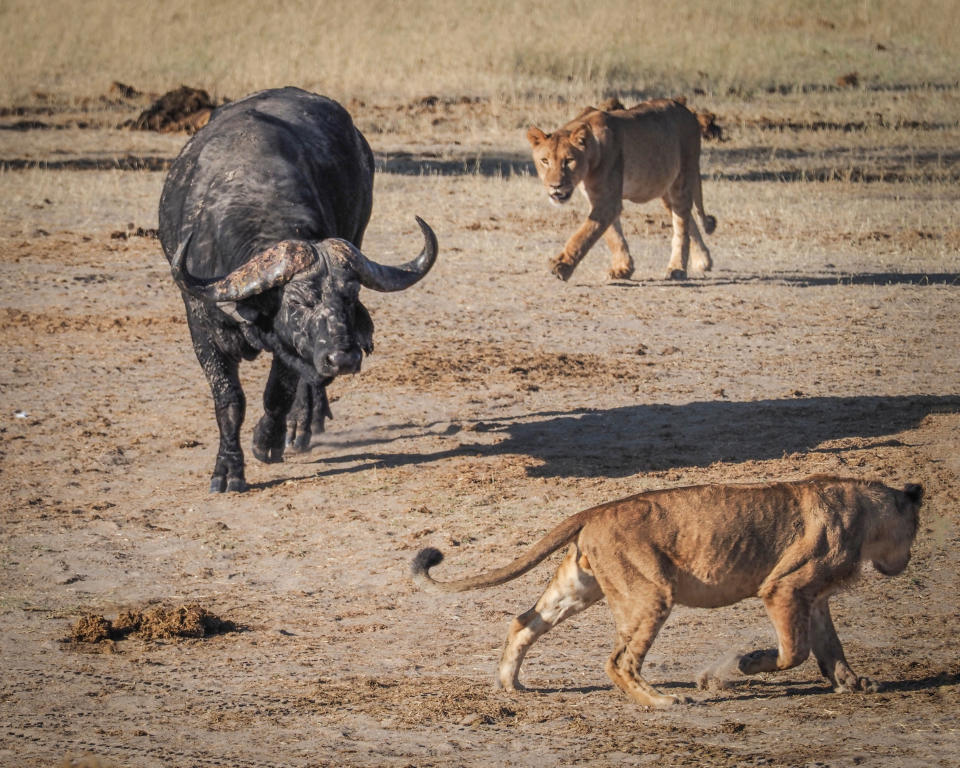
620	442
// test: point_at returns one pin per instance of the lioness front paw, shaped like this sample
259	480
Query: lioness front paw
562	269
508	685
620	273
858	685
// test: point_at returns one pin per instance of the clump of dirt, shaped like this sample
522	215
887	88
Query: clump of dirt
183	109
849	80
91	629
158	622
151	232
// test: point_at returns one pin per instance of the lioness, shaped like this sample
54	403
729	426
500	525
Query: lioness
650	150
791	544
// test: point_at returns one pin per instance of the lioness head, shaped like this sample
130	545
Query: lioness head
561	159
894	526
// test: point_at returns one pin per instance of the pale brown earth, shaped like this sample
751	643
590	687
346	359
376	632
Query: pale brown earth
498	402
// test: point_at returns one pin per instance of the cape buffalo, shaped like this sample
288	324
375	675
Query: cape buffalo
262	217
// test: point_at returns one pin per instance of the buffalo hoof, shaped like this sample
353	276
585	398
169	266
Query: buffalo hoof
676	274
561	269
268	439
270	455
300	443
221	484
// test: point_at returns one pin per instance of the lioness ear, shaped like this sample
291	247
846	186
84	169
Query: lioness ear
913	492
535	136
579	135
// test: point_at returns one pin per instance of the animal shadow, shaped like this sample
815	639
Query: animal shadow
619	442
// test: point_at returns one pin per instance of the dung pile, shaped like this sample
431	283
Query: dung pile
183	109
156	623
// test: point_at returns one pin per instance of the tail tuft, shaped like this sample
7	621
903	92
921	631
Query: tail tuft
709	224
425	560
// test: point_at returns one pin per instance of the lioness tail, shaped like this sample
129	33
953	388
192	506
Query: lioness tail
428	557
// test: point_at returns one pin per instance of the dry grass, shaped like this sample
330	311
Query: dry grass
386	51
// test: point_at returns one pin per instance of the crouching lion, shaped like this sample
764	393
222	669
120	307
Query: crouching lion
792	544
650	150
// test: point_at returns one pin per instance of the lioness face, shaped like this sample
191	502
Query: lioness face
560	159
888	546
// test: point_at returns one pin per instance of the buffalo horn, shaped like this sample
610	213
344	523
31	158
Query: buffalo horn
274	266
381	277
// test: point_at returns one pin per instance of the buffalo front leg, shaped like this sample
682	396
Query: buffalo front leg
269	436
307	416
572	590
829	653
229	405
598	220
639	617
621	265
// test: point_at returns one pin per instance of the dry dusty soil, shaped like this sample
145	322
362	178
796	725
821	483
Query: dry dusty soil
498	402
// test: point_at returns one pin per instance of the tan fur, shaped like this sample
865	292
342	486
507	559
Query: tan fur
790	544
651	150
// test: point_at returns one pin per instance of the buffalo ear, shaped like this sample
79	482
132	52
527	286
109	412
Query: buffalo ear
535	136
579	135
363	325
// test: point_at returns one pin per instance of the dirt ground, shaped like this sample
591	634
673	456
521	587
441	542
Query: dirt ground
498	401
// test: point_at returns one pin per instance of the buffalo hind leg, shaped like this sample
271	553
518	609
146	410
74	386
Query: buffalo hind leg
269	436
307	416
572	590
829	653
639	618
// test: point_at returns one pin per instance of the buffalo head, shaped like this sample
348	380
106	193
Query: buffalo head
319	327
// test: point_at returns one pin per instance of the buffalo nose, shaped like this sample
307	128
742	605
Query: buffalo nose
344	361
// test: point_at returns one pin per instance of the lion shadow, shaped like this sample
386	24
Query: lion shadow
623	441
797	279
748	689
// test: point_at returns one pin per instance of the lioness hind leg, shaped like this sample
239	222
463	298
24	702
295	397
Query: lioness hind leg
621	266
680	247
701	261
637	626
829	653
572	589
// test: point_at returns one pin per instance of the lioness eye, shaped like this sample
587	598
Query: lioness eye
545	160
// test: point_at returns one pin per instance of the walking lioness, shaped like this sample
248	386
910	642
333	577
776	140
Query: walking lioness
650	150
790	544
